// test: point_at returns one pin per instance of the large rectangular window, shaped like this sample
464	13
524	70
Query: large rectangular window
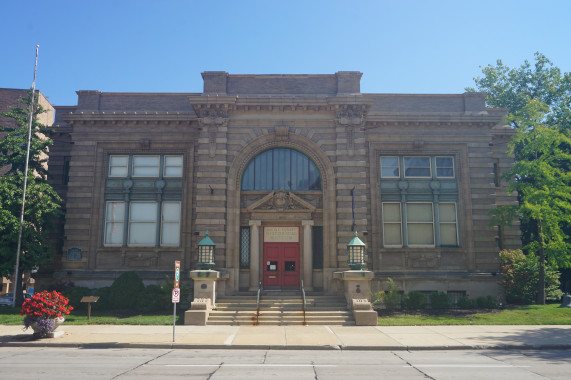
444	167
142	223
121	166
420	224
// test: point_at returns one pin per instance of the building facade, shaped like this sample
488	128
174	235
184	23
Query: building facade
281	170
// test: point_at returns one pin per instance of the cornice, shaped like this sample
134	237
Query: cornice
129	117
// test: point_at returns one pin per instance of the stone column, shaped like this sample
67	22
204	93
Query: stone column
254	254
307	255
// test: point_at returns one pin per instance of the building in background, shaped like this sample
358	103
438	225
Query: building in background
280	169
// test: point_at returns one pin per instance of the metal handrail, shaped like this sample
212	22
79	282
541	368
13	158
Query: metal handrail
258	302
304	300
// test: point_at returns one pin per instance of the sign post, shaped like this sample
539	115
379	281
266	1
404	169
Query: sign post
175	294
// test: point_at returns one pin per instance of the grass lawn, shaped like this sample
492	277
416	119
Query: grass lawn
11	316
517	315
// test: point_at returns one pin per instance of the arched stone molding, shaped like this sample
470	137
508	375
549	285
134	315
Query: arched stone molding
236	170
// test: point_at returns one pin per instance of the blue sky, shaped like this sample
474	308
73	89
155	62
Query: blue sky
408	46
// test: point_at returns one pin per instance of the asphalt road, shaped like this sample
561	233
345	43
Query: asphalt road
71	363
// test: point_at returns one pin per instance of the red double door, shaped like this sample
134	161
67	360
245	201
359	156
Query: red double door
281	265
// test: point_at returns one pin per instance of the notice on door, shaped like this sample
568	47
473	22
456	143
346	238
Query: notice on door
281	234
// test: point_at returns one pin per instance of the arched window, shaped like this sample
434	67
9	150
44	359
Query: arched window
281	168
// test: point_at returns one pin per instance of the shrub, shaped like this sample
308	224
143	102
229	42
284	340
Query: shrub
440	300
521	277
104	298
465	302
154	298
75	294
390	298
414	301
487	302
125	290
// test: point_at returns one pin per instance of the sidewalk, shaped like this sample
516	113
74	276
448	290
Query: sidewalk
298	337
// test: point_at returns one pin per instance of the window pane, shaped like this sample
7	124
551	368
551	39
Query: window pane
146	166
281	169
171	211
390	167
417	166
391	212
143	211
173	166
444	167
314	177
248	177
170	234
420	234
448	235
392	234
419	212
115	211
114	233
118	166
317	242
447	212
142	233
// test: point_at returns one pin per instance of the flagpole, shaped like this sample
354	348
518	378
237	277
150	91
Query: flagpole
16	279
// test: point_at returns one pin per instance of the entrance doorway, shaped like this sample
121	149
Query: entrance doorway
281	258
281	265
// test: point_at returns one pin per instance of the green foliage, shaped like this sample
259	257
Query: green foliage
440	300
154	298
414	301
41	205
539	103
104	302
466	302
125	291
390	299
75	294
487	302
521	277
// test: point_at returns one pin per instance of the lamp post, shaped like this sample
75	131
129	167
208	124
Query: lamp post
206	253
356	253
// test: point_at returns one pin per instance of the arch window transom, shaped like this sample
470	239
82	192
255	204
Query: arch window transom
281	168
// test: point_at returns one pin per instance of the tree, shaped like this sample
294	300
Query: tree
41	204
538	100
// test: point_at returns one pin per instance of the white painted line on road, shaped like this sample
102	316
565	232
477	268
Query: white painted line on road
250	365
465	366
230	339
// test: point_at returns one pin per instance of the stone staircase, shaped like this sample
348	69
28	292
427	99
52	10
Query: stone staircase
281	308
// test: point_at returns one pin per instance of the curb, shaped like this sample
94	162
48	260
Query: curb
183	346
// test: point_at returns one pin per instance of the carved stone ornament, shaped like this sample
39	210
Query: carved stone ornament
282	132
351	115
281	200
213	117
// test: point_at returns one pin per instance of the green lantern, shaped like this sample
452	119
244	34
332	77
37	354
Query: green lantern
356	253
206	253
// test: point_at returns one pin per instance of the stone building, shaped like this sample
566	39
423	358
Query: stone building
280	169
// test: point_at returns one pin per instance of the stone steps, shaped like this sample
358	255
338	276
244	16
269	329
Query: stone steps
284	309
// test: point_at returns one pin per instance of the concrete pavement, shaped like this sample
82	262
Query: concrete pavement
299	337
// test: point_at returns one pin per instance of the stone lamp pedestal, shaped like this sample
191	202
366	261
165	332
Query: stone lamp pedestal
357	287
204	297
